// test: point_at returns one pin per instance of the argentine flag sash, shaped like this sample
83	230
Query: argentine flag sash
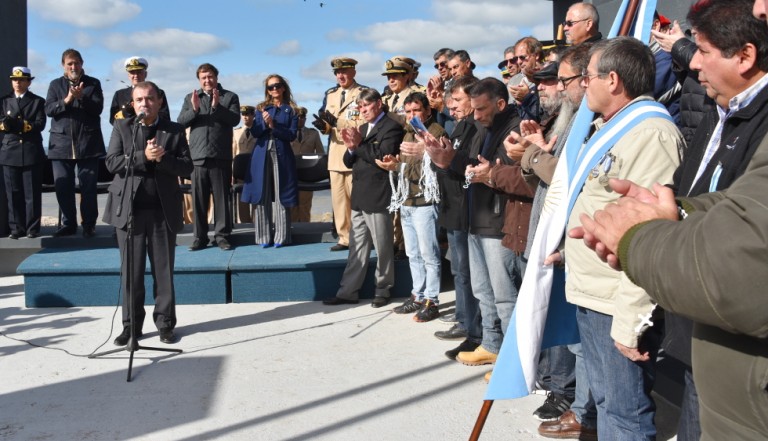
542	318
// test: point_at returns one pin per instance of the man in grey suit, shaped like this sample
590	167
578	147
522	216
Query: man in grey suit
161	155
371	221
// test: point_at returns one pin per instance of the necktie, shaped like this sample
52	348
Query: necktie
394	103
343	95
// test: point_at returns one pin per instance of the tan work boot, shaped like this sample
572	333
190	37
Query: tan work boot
478	357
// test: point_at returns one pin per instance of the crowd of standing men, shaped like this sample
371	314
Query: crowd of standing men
662	201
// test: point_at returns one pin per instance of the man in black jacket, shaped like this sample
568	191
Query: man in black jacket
155	202
22	119
371	221
211	113
453	217
496	271
74	104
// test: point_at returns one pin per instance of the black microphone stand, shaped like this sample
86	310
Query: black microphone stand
132	345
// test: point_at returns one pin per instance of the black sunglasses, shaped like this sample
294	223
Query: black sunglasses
570	23
441	65
274	86
514	60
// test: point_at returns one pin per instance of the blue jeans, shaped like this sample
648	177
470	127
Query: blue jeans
467	306
689	426
496	276
621	387
557	371
583	406
420	237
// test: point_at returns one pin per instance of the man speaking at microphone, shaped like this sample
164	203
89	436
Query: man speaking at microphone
153	198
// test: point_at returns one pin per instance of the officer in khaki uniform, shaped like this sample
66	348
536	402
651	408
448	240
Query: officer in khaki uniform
243	142
339	111
399	73
415	65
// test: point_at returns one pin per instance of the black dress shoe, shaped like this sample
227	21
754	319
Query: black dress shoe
89	232
122	339
379	301
339	301
198	245
339	247
223	244
167	336
65	231
33	235
455	332
14	235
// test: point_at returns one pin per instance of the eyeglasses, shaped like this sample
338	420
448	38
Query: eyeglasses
441	65
570	23
586	77
274	86
566	81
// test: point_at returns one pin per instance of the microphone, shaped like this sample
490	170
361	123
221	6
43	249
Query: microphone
140	116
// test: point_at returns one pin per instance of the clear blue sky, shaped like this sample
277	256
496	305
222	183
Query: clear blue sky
249	39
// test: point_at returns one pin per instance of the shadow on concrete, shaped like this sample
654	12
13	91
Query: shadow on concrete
108	407
342	421
21	320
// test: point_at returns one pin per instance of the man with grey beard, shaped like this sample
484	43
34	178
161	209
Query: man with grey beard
538	156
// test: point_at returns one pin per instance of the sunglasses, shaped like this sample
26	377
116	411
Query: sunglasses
570	23
515	60
274	86
442	65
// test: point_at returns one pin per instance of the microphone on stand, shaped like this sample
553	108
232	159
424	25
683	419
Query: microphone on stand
140	116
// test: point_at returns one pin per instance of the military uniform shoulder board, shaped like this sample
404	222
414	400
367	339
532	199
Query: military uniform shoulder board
332	89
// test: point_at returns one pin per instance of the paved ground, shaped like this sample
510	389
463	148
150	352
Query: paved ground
268	371
257	371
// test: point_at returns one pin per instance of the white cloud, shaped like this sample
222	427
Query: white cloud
369	67
86	13
41	70
523	13
167	42
286	48
83	39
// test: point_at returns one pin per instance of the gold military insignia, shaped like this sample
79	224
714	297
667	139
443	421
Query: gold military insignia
27	127
337	63
389	65
134	62
18	73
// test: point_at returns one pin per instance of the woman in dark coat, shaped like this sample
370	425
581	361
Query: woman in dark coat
273	166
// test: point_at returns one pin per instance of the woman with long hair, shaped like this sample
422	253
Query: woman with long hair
271	184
